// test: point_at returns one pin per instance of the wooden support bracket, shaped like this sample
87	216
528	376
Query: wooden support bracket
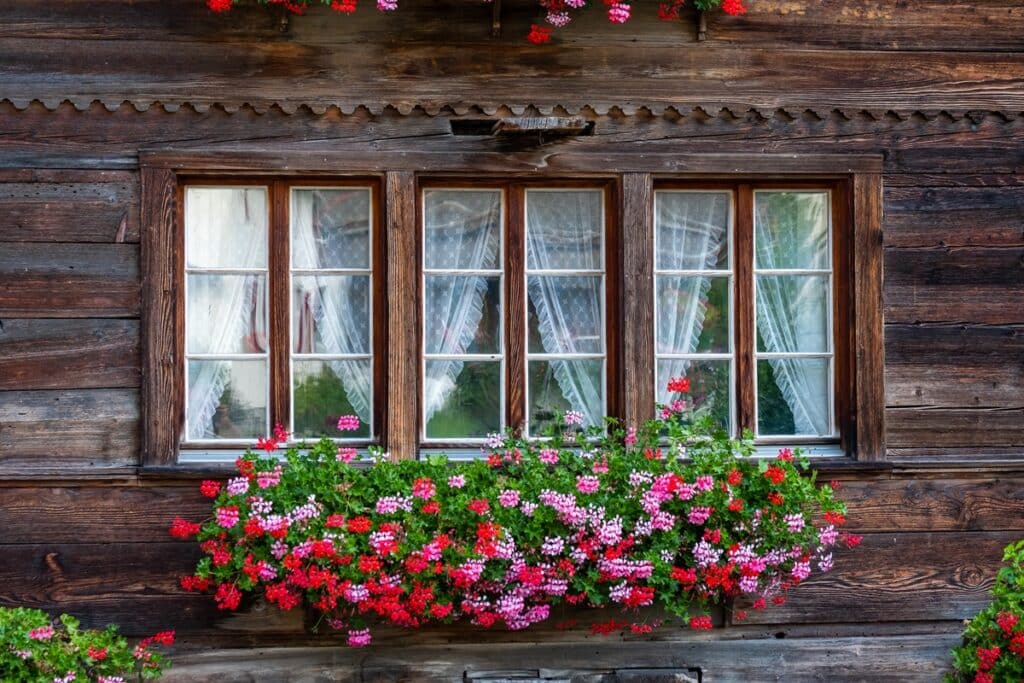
702	26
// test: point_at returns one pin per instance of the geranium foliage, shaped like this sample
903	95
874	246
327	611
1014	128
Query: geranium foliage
36	649
674	514
557	13
993	645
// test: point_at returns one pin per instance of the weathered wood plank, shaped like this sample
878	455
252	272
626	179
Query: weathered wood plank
940	428
39	280
96	514
970	284
85	426
990	216
934	505
69	354
69	212
403	315
909	658
868	347
954	366
899	577
131	584
637	226
162	390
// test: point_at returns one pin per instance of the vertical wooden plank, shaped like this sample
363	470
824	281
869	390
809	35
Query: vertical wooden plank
843	324
161	370
515	307
278	289
637	297
743	300
403	315
869	348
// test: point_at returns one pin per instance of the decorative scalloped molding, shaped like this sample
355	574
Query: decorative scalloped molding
697	112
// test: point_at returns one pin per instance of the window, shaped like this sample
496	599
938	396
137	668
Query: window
508	340
278	295
484	302
720	272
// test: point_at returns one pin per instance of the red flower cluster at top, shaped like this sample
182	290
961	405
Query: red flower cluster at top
558	13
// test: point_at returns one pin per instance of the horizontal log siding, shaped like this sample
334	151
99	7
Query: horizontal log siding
89	536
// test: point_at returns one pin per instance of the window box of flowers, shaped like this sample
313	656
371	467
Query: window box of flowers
674	514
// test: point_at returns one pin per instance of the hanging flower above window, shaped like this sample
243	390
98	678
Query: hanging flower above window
558	13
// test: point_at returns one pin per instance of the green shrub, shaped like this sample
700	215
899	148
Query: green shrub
34	648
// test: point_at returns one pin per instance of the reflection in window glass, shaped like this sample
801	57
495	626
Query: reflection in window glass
463	363
332	303
793	297
693	298
226	313
565	306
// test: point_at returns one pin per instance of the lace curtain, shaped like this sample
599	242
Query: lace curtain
462	234
792	313
226	312
564	232
692	228
333	310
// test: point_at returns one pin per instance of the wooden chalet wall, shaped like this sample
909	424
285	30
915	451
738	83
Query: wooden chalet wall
937	87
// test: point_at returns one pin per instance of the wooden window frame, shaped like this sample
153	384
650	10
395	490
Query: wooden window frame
633	175
743	412
514	304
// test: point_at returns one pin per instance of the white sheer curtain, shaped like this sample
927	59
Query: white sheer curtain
690	232
226	313
462	234
792	309
334	306
564	232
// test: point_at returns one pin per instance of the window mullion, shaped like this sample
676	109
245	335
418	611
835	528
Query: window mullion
279	286
515	308
744	308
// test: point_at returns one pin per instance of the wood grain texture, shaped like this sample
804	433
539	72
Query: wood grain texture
69	280
946	428
760	657
69	354
869	349
69	211
162	360
85	426
899	577
637	331
402	421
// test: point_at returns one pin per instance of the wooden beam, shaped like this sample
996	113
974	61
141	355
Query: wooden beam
869	347
402	433
637	241
162	404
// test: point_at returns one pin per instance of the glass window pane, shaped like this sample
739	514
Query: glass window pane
791	230
792	313
555	386
710	386
227	399
564	229
226	313
693	230
792	397
331	314
331	228
324	390
462	229
462	399
226	227
463	314
565	314
693	314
